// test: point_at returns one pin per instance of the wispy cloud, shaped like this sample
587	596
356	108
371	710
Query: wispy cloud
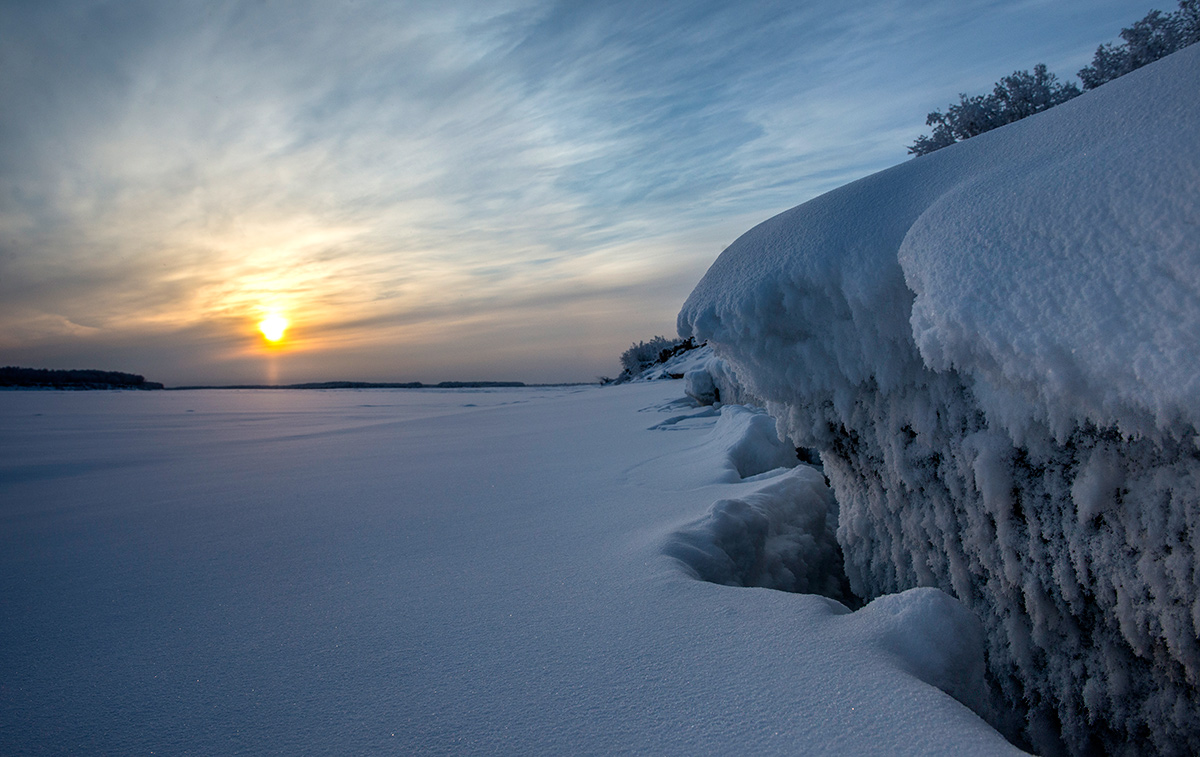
499	174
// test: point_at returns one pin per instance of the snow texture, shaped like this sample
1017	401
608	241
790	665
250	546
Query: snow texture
741	443
707	378
781	536
433	572
751	443
996	350
937	639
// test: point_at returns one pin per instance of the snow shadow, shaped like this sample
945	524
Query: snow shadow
781	535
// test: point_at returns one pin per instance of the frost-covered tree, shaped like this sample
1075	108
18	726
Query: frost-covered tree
642	355
1018	95
969	117
1155	36
1022	94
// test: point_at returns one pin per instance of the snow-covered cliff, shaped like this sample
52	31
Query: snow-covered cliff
996	349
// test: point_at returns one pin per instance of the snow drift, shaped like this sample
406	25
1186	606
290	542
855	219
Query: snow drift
996	350
778	537
781	535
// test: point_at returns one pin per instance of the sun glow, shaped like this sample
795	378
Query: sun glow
272	327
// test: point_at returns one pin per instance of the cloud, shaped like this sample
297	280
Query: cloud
171	169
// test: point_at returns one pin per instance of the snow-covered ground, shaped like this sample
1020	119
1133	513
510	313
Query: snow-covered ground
430	571
996	350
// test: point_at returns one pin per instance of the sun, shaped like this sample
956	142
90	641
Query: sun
272	327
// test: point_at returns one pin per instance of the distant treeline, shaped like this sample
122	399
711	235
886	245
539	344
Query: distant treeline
41	378
368	385
73	379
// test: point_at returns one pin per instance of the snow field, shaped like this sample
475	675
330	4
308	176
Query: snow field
994	348
431	571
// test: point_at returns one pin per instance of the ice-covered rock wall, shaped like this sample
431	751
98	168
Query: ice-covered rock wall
996	349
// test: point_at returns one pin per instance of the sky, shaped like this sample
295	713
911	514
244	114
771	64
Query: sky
426	191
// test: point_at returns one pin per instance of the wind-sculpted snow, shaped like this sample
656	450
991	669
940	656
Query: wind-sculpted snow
742	443
781	536
996	350
935	637
750	441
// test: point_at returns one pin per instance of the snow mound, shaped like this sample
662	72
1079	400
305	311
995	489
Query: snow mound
996	350
781	536
935	638
1065	281
699	385
749	442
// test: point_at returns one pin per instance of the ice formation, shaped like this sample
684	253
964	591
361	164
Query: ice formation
996	349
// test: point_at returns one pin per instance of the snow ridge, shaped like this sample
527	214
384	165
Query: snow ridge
995	350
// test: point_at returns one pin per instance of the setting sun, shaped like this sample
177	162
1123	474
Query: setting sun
273	327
